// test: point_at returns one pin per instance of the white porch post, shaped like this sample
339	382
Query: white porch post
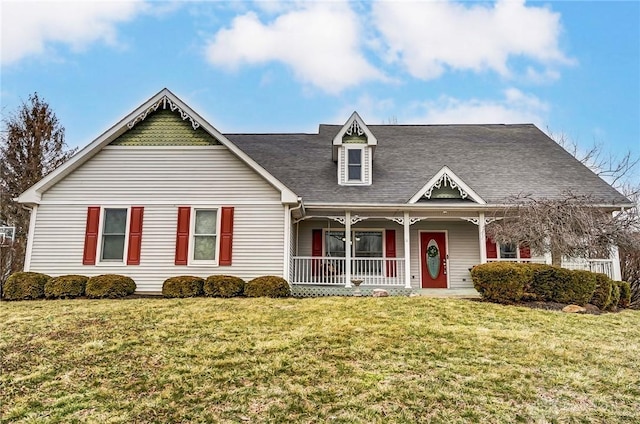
482	238
347	247
407	251
615	266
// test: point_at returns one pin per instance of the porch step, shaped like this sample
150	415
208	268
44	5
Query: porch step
451	293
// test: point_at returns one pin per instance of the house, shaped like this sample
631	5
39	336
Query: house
404	207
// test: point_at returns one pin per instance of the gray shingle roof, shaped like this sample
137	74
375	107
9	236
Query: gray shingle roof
496	161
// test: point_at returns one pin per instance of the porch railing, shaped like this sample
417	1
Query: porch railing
332	271
604	266
521	260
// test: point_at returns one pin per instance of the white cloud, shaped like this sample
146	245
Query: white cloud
515	107
429	38
30	28
320	42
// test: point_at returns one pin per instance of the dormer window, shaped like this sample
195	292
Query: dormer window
353	150
354	164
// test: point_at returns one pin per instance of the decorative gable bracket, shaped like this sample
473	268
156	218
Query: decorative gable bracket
164	101
354	127
446	177
446	181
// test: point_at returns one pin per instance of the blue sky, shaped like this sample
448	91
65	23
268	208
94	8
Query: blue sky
571	67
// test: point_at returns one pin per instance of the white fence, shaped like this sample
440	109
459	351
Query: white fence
332	271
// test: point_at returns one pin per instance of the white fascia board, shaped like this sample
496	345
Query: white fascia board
34	193
445	170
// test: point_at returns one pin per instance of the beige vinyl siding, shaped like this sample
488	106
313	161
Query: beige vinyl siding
161	179
463	247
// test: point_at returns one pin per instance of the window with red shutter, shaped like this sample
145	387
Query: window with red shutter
135	235
91	236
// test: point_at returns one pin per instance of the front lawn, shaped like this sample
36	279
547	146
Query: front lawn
314	360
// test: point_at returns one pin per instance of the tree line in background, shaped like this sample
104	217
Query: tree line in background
32	145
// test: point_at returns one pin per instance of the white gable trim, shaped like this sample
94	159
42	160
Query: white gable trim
446	174
353	124
33	195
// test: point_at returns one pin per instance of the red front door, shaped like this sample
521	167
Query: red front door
433	260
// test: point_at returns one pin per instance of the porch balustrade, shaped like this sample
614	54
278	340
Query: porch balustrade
332	271
604	266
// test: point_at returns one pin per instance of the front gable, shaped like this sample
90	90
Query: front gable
446	185
164	120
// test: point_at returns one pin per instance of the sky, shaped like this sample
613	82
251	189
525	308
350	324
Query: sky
571	67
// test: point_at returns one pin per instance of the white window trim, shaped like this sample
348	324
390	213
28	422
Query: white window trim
353	231
192	227
363	164
125	252
498	251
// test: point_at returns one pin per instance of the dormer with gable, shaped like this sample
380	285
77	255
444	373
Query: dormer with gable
353	149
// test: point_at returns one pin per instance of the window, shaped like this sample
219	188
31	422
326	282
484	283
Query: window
354	164
508	251
366	244
114	229
204	234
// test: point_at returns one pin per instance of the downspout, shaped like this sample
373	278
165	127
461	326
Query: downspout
288	252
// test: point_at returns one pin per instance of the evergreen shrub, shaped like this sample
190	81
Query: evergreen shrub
615	297
223	286
24	286
267	286
625	294
109	286
554	284
182	286
65	286
501	282
602	295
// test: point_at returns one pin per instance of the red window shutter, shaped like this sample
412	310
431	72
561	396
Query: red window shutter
91	236
135	235
492	249
525	252
226	236
390	247
182	235
316	250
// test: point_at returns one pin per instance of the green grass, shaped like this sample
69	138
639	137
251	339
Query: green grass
343	360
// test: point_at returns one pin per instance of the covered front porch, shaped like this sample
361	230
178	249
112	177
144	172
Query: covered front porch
404	251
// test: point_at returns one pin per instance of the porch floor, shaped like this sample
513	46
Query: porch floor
452	293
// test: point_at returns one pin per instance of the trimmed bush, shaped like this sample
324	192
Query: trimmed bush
562	285
615	297
109	285
24	285
182	286
625	294
602	295
223	286
501	282
65	286
267	286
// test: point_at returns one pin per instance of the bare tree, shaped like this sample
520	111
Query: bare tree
31	145
569	226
